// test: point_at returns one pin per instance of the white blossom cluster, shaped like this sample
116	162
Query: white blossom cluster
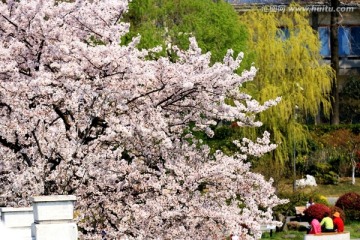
81	114
304	182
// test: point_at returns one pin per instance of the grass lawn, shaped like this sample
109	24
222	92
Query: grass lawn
353	228
295	235
344	186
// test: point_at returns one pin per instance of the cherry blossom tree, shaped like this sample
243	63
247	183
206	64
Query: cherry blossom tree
80	114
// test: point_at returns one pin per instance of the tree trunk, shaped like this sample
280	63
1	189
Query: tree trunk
353	168
315	26
334	48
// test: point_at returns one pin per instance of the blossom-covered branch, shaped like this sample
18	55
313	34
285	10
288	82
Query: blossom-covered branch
81	114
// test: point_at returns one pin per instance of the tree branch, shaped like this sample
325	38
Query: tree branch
146	94
37	143
39	55
63	117
16	147
178	97
7	106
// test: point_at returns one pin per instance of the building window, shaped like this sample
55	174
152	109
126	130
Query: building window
355	41
283	33
344	41
325	41
349	41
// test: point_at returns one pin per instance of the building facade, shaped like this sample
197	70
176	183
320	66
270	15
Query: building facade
319	18
348	22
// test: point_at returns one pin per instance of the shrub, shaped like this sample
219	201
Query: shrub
295	199
298	199
330	178
316	211
321	199
324	173
350	204
350	100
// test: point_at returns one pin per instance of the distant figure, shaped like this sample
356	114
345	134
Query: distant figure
338	222
310	202
327	224
315	227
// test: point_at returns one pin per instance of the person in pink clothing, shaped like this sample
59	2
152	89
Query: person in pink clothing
315	227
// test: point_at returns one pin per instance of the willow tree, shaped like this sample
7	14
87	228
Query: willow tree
215	24
286	51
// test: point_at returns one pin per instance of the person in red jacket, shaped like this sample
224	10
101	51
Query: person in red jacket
338	222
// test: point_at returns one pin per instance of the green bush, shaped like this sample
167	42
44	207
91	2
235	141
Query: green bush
295	199
330	178
321	199
353	215
298	199
323	173
350	101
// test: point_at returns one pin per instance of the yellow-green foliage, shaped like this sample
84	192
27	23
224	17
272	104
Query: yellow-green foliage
289	65
321	199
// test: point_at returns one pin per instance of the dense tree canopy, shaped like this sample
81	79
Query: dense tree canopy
215	24
346	142
81	114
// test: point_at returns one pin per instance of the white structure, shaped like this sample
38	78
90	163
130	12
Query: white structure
308	181
50	218
16	223
328	236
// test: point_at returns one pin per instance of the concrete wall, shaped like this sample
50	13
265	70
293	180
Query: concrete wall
17	222
328	236
50	218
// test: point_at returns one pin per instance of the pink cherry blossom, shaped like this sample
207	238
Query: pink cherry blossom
82	114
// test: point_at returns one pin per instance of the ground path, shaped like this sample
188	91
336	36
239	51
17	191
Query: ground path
332	200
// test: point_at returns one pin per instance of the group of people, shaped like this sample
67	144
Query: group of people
327	223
